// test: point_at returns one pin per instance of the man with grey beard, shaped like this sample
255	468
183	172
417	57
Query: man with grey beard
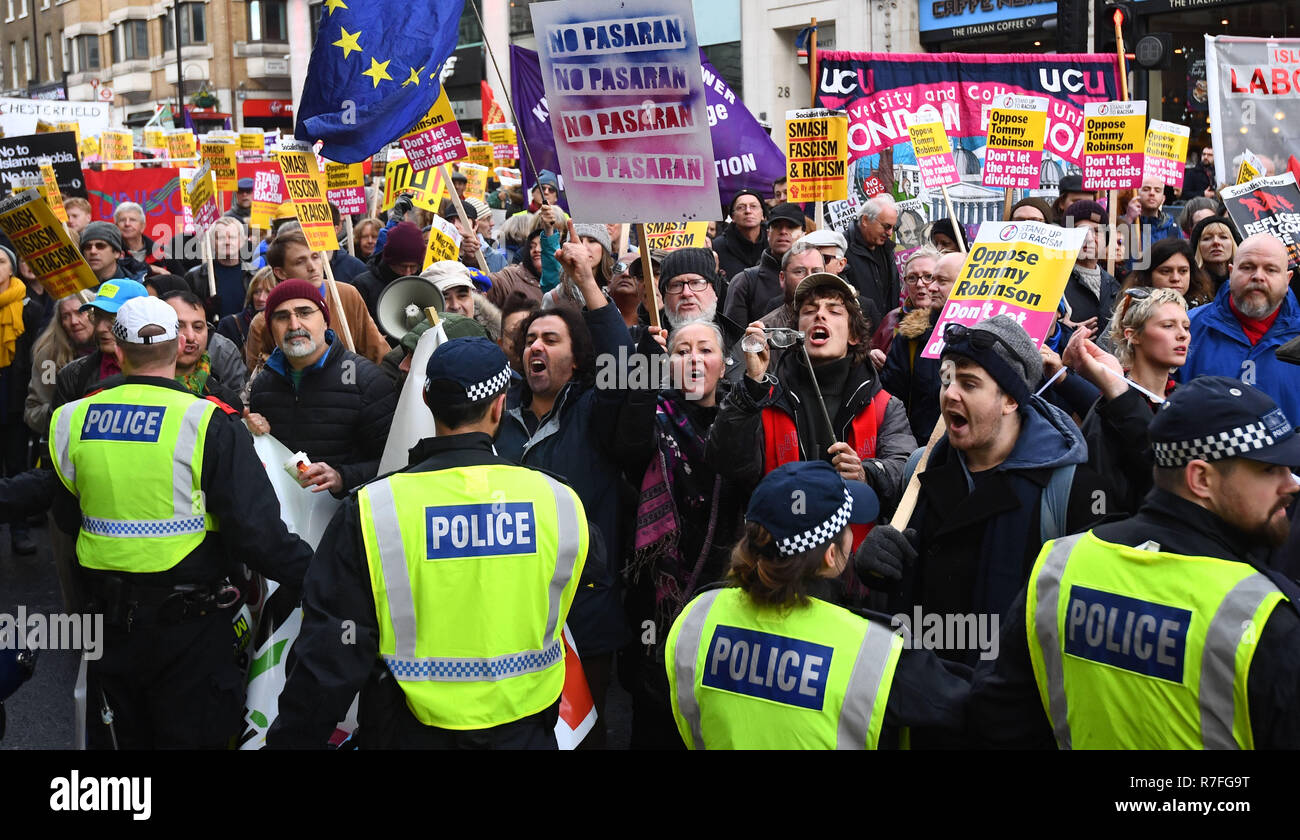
686	287
316	396
1253	315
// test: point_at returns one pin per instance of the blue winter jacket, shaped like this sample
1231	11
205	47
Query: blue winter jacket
1219	347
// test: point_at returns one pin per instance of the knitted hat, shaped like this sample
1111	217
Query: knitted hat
1003	348
104	232
687	261
1085	209
480	207
405	244
548	177
762	204
945	227
597	232
13	261
291	290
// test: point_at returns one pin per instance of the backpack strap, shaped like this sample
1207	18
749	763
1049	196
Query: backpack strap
1055	503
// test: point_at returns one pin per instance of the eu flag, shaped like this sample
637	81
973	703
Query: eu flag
374	72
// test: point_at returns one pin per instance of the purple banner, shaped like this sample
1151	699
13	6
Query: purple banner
745	157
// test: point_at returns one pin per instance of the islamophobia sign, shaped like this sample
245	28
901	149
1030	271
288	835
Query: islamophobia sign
1267	205
744	156
627	109
884	93
1254	99
1013	268
21	157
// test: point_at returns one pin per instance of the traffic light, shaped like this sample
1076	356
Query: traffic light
1119	12
1154	51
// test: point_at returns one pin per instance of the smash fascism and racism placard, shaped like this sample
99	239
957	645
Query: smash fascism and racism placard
1113	145
627	106
1013	268
222	155
116	146
306	188
435	139
444	242
43	242
816	152
1166	149
1013	149
200	195
479	153
670	236
181	145
934	154
1267	205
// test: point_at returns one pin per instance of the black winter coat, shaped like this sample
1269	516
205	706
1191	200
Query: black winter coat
749	291
373	281
914	380
339	414
872	271
736	253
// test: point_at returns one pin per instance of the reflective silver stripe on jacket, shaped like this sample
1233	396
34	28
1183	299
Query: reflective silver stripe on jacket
183	479
1219	659
404	664
1048	590
687	654
62	438
864	685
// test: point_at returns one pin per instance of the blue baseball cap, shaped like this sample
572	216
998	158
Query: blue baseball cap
1213	418
805	505
113	293
465	370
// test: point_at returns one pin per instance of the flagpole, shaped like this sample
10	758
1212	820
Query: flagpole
464	219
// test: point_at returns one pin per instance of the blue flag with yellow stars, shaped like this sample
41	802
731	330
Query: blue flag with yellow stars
374	72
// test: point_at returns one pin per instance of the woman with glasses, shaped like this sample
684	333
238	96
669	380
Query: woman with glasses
918	272
905	373
1215	242
1173	266
1151	334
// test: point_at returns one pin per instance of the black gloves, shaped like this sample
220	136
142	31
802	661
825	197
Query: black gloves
885	557
401	207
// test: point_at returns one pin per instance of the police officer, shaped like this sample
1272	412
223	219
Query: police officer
440	592
172	499
1165	630
772	663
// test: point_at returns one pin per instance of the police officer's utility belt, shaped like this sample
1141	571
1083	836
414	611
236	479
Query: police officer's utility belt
126	605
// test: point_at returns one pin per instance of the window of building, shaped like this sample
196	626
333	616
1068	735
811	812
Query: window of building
194	28
13	64
317	9
268	21
521	20
45	4
131	40
725	58
10	16
28	63
87	51
50	72
23	12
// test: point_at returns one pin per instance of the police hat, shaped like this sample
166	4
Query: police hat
805	505
1213	418
466	370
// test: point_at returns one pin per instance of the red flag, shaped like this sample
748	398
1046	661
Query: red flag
492	112
157	190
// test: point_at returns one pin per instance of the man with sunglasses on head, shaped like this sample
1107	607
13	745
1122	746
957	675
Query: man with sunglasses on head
871	268
1008	474
316	396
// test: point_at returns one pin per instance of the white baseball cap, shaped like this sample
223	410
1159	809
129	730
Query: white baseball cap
826	238
145	320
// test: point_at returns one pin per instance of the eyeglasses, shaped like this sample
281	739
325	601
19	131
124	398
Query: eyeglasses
978	339
302	313
799	271
619	268
913	279
776	336
697	284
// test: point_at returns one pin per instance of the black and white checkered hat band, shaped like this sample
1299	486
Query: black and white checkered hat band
489	387
820	535
1231	444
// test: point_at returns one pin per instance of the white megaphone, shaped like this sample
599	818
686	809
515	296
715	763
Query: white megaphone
401	304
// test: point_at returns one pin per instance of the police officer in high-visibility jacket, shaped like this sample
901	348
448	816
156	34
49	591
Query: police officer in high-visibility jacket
440	592
1166	630
773	663
172	499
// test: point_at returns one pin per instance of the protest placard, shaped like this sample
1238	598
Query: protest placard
444	242
1267	205
345	187
186	174
435	139
934	154
1250	167
306	189
428	188
1013	268
1113	144
181	145
505	144
52	195
1166	149
268	192
115	148
201	196
1013	150
816	150
41	240
670	236
252	147
222	155
841	214
479	153
22	156
155	139
475	179
627	104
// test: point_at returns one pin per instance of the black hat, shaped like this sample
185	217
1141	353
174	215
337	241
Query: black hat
687	261
449	211
786	213
805	505
1213	418
1085	209
762	204
1072	183
466	370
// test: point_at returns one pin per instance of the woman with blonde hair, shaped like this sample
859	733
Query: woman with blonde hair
1151	334
69	335
365	234
1214	243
